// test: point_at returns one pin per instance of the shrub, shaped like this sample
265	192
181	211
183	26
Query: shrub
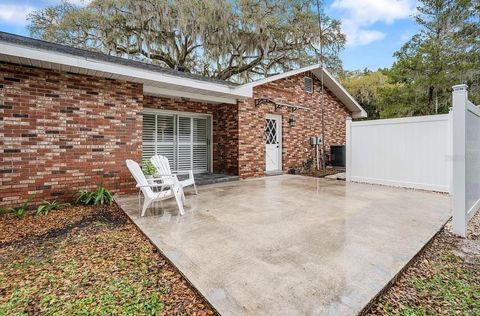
148	168
47	206
85	197
22	209
103	196
100	196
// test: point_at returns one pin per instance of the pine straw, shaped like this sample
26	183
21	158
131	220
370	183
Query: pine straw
86	260
443	280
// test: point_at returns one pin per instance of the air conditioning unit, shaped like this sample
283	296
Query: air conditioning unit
337	155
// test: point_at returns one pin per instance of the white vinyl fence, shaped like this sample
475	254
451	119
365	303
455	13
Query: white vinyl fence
411	152
466	159
436	152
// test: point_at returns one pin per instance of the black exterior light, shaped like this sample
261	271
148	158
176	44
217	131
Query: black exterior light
292	122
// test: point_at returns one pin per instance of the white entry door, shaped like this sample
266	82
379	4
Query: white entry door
273	143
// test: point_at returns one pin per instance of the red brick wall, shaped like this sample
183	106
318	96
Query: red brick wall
224	127
60	132
296	147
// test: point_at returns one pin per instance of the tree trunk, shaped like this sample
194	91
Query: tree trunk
431	90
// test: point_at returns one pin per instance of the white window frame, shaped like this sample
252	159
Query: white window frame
190	114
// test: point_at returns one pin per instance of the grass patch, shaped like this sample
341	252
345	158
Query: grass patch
443	280
91	267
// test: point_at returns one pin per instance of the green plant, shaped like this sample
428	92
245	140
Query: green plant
100	196
148	168
47	206
85	197
22	209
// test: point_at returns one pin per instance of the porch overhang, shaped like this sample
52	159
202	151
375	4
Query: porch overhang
154	82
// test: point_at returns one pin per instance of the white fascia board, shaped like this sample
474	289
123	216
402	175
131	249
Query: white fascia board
332	84
341	93
151	90
122	70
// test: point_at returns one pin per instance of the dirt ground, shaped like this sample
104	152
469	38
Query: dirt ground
443	280
87	260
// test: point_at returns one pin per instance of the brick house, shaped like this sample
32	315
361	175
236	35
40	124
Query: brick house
69	118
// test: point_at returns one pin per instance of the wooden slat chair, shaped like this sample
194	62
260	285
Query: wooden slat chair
174	189
168	176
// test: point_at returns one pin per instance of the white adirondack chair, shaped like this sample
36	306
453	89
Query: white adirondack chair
168	176
174	189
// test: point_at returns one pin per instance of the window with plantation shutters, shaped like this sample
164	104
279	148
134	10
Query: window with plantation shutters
184	158
183	139
200	144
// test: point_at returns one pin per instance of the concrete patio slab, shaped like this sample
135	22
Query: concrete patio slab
292	245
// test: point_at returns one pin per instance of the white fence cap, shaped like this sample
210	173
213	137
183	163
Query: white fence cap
460	87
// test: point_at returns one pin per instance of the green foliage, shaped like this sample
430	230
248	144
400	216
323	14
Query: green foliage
443	53
238	40
366	86
101	196
148	168
106	272
47	206
454	284
85	197
22	209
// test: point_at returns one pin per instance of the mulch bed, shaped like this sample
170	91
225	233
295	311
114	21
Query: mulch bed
87	260
443	280
322	173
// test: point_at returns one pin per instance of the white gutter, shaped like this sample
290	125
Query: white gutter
121	70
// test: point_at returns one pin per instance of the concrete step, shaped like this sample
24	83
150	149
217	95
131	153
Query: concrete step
204	179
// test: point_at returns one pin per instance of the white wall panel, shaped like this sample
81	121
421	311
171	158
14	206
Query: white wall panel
408	152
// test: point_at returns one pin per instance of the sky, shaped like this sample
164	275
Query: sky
375	29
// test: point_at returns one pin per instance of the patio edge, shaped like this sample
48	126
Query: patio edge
169	261
395	278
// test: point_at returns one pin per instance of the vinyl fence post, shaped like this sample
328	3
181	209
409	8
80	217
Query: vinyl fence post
459	102
450	151
348	149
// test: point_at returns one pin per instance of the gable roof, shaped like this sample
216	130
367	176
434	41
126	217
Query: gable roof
329	81
156	79
59	48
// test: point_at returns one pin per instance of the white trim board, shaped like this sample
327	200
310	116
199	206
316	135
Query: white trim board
402	184
330	82
53	60
157	91
162	83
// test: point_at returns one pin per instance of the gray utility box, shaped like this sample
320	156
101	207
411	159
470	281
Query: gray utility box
315	140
